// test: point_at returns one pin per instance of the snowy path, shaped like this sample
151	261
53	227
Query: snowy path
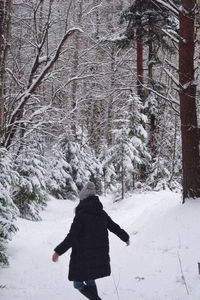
160	264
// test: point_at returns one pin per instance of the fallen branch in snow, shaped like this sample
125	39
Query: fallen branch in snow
182	274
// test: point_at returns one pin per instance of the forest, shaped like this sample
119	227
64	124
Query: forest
101	90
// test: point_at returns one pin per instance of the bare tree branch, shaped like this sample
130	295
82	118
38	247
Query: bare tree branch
23	97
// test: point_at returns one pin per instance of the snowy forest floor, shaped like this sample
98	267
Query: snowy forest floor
160	263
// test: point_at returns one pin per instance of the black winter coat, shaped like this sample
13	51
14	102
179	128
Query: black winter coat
88	238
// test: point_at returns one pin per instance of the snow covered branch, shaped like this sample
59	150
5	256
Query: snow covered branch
172	65
23	97
172	37
171	101
169	5
173	78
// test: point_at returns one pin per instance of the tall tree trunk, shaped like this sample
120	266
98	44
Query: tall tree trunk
5	22
110	115
153	143
140	82
95	126
109	134
187	94
140	71
75	71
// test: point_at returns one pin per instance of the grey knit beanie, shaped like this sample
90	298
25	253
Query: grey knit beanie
88	190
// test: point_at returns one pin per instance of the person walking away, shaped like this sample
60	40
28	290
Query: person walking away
88	238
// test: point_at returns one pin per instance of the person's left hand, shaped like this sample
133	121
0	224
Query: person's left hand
128	243
55	257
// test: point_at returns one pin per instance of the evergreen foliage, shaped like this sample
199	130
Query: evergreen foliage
155	18
130	147
72	167
158	31
137	131
109	174
165	167
30	193
8	210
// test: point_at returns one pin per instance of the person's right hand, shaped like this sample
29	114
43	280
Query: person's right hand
128	243
55	257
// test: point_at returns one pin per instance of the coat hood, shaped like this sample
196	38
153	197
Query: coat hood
91	205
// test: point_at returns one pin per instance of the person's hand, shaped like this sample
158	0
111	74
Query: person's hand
55	257
128	243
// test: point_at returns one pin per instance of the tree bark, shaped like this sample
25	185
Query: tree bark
109	134
187	94
140	71
5	22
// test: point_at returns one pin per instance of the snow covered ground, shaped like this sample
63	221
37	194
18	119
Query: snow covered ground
160	263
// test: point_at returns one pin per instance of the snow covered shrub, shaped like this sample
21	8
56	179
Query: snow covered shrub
129	151
165	143
159	176
61	182
73	165
30	193
109	174
8	210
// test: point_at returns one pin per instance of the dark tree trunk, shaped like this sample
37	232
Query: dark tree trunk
150	65
5	15
187	94
151	56
140	71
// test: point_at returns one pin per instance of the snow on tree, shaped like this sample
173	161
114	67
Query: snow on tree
137	131
165	166
38	61
8	210
30	193
73	165
129	150
109	174
123	155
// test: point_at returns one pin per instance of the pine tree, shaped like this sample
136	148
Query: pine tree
108	169
8	210
73	166
153	26
30	194
130	148
138	134
123	153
